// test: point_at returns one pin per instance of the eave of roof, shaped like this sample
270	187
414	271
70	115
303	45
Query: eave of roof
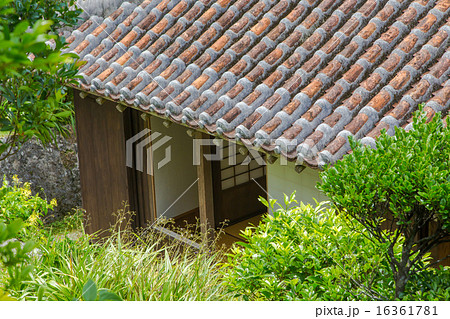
294	78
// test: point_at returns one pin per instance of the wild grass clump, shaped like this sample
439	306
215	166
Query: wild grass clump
143	265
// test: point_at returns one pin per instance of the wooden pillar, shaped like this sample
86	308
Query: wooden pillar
205	189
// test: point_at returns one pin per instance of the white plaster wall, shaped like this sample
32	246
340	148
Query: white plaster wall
283	179
175	177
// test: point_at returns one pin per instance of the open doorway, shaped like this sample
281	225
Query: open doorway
174	175
238	181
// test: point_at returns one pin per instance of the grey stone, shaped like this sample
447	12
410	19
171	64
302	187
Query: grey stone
52	171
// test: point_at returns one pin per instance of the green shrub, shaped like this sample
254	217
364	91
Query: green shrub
63	13
307	253
16	201
429	284
14	258
313	253
403	185
34	76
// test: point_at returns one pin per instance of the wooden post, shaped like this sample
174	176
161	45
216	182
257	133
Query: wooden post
205	190
154	215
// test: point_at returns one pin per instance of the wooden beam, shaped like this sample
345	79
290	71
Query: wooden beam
154	215
205	191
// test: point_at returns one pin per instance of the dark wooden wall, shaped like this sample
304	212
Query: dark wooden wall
441	251
107	185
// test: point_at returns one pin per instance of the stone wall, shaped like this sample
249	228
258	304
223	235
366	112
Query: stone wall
52	171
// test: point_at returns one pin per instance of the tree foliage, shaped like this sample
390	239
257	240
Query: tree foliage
33	72
61	12
403	186
308	253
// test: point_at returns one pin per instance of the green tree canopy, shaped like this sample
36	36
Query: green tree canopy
33	76
403	186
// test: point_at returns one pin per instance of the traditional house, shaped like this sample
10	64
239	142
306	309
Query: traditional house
284	81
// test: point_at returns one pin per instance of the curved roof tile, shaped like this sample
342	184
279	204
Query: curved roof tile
294	77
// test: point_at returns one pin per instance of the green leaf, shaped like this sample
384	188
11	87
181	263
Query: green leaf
107	295
263	201
64	114
21	28
40	293
89	291
26	271
29	246
14	227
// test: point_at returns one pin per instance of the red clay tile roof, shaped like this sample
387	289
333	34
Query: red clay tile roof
292	77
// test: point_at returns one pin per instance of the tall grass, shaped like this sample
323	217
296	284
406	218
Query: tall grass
143	266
